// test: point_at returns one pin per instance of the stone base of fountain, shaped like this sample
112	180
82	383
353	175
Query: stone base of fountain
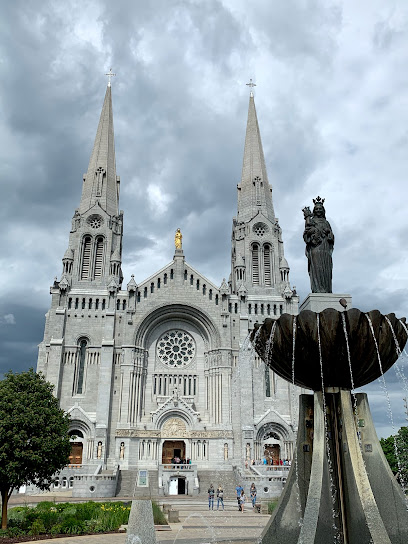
317	302
348	495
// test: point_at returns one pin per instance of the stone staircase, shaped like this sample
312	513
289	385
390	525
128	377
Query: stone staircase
226	478
127	488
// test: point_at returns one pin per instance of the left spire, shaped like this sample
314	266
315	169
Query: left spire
100	182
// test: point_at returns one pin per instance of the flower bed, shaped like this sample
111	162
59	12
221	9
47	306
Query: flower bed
49	520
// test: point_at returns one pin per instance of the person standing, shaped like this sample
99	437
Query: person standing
242	500
211	497
252	493
238	489
220	497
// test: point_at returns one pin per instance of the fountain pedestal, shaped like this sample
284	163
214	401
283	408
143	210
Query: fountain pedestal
342	489
317	302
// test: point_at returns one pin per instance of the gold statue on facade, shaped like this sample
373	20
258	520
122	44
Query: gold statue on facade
178	237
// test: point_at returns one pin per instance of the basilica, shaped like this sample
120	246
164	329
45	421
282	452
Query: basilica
157	374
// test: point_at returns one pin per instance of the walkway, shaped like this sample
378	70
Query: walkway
197	525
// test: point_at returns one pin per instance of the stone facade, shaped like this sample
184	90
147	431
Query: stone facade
154	370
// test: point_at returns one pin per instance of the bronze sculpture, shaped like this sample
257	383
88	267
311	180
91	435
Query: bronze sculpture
319	239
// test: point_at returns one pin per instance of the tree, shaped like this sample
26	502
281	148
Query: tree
395	449
34	441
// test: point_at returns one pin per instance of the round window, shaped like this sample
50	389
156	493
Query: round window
260	229
95	221
176	348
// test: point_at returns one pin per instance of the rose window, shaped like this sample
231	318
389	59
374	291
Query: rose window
95	221
176	348
260	229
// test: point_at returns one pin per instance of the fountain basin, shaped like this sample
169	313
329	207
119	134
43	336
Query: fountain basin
335	362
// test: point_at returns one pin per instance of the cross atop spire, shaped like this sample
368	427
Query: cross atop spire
251	85
110	74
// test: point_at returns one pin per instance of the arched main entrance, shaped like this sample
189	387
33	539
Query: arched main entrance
173	450
75	457
272	453
77	447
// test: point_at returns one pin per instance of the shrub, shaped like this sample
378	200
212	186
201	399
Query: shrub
16	517
69	512
37	527
72	526
12	532
272	505
49	519
56	529
68	518
44	506
22	517
158	516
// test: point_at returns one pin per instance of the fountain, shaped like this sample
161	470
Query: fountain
341	480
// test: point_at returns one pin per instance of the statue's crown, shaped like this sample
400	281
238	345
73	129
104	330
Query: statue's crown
318	200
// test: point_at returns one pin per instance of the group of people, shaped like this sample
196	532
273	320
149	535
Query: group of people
220	497
270	461
177	461
241	497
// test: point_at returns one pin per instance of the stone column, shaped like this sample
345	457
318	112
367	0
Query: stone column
141	525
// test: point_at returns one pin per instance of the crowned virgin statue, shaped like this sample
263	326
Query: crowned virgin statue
319	239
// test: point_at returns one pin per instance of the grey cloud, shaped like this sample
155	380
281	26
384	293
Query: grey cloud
180	106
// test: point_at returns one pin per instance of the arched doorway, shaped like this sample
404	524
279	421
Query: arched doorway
75	457
272	454
177	486
173	450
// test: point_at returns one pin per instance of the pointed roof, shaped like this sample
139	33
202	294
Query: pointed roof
100	182
254	187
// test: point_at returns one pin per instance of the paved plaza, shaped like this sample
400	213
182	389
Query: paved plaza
197	525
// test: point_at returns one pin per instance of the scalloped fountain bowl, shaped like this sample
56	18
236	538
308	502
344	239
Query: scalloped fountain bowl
335	363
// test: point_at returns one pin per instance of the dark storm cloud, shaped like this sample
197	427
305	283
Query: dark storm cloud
330	97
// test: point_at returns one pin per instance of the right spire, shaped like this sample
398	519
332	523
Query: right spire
254	191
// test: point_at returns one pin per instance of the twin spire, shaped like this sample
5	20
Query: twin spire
101	185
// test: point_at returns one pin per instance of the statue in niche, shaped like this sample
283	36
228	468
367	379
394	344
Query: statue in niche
178	237
99	451
122	450
319	239
225	451
76	220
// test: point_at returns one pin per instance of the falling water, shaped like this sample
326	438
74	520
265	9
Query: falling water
269	343
353	392
185	527
398	369
299	507
391	418
333	490
268	354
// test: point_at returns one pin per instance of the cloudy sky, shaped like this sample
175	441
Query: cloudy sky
332	103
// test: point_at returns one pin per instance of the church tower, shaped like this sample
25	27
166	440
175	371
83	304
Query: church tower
259	270
78	349
93	257
259	289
